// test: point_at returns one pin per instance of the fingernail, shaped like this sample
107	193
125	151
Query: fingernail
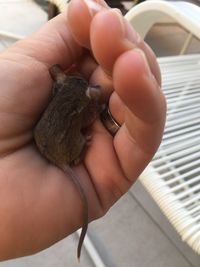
117	10
118	16
128	32
102	3
93	6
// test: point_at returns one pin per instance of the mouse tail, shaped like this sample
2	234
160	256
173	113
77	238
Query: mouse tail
85	208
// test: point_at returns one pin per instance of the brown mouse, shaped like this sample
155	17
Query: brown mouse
59	132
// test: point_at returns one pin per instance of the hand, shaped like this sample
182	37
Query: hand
39	204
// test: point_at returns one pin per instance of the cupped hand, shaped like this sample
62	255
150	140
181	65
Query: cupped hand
39	204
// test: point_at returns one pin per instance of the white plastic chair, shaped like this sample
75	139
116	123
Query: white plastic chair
23	24
173	176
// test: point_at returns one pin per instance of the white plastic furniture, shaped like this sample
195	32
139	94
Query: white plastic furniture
173	176
145	15
16	22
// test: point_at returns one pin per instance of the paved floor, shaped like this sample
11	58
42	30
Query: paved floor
134	233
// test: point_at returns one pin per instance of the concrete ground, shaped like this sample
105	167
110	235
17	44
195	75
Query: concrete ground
134	233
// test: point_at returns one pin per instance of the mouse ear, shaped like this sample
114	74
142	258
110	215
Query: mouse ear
93	92
57	74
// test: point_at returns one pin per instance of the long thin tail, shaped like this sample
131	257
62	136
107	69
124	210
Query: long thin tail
75	179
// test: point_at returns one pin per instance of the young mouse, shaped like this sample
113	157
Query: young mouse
59	132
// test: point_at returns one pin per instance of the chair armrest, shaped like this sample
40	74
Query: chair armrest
145	15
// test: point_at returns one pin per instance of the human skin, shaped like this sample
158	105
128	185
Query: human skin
39	204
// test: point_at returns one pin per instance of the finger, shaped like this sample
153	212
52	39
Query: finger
53	43
99	77
144	112
117	108
105	50
91	71
80	14
120	37
104	168
152	61
88	67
